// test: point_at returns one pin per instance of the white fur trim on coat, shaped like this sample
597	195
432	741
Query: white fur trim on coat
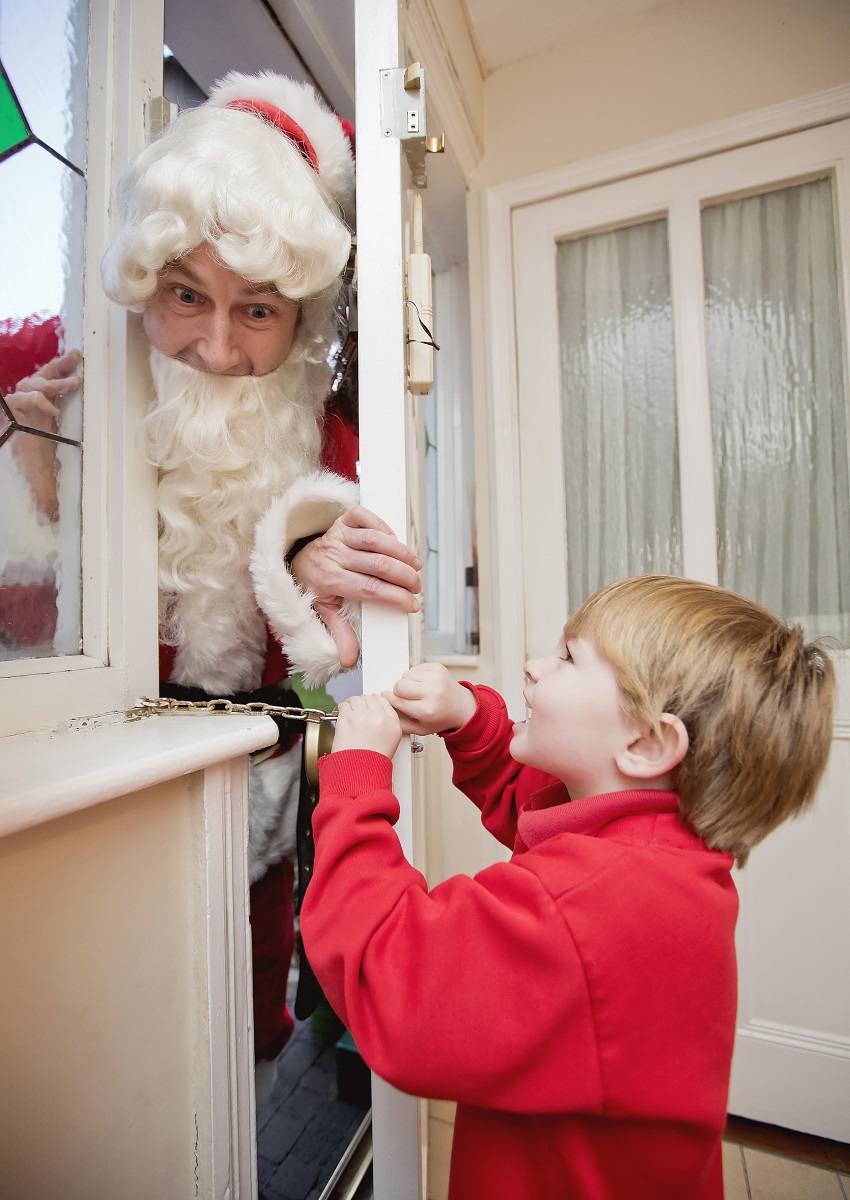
310	505
273	787
300	102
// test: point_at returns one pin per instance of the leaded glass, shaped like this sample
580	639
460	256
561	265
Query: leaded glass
13	127
44	50
43	116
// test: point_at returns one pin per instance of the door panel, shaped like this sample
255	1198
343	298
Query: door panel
381	202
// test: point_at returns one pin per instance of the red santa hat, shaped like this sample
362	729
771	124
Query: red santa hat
295	110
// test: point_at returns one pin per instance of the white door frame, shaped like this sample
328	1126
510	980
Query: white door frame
677	194
397	1169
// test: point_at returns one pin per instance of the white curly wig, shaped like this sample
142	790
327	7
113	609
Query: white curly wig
232	179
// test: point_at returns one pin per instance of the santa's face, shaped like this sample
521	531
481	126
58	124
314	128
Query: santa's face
212	319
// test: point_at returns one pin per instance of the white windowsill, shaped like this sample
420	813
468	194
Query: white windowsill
47	775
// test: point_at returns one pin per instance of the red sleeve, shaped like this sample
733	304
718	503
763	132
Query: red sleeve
471	992
484	770
25	347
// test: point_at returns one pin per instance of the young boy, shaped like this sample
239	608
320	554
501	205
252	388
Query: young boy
578	1001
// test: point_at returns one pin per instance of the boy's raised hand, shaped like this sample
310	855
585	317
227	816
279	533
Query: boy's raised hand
367	723
428	700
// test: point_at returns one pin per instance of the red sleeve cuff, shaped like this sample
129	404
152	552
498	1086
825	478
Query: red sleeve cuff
483	726
353	772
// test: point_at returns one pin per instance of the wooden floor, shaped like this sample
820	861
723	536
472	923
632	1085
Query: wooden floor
763	1162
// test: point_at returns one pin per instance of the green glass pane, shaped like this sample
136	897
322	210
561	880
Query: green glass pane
13	129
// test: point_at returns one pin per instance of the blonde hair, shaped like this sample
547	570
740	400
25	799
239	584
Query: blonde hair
754	696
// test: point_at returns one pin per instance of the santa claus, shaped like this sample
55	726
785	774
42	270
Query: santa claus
230	240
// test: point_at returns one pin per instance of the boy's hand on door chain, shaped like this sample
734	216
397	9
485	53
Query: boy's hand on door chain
367	723
428	700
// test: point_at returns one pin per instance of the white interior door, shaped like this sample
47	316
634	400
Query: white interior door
381	198
665	426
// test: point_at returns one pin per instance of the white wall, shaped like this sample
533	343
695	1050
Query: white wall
669	70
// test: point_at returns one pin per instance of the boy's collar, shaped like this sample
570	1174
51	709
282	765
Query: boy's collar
552	812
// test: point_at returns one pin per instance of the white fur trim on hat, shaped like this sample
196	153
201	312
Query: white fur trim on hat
300	102
310	505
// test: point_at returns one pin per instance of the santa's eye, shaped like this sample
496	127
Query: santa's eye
259	312
185	295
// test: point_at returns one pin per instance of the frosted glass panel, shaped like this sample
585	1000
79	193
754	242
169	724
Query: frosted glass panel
43	118
44	50
618	395
779	410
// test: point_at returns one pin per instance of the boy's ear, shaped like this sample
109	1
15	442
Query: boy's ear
652	754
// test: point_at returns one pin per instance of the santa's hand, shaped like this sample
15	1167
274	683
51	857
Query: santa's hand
428	700
34	404
33	401
358	558
367	723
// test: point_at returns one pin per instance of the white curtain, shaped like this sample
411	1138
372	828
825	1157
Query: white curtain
619	407
779	409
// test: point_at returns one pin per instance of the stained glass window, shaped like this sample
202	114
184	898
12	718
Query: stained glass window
43	123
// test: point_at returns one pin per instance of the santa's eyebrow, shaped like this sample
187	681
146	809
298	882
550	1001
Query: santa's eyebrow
252	289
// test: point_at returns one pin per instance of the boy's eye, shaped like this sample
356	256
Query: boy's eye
566	656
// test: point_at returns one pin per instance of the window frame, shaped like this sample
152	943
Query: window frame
454	476
679	194
118	546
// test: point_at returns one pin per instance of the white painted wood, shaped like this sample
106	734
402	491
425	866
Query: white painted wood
119	506
792	1065
381	386
227	1106
449	110
48	775
502	449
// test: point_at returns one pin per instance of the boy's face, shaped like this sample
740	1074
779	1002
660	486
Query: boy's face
575	724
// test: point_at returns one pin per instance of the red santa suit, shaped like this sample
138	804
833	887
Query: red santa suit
260	174
578	1001
309	506
28	608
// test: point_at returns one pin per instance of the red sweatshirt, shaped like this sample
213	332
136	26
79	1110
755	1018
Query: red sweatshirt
578	1002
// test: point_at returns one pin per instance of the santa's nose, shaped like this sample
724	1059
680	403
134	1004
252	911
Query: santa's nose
217	347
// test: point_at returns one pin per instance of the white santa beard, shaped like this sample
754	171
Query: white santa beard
226	447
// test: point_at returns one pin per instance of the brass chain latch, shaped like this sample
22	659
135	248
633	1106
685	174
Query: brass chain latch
318	735
253	708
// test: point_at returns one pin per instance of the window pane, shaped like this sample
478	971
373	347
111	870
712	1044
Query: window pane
779	413
43	51
619	402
